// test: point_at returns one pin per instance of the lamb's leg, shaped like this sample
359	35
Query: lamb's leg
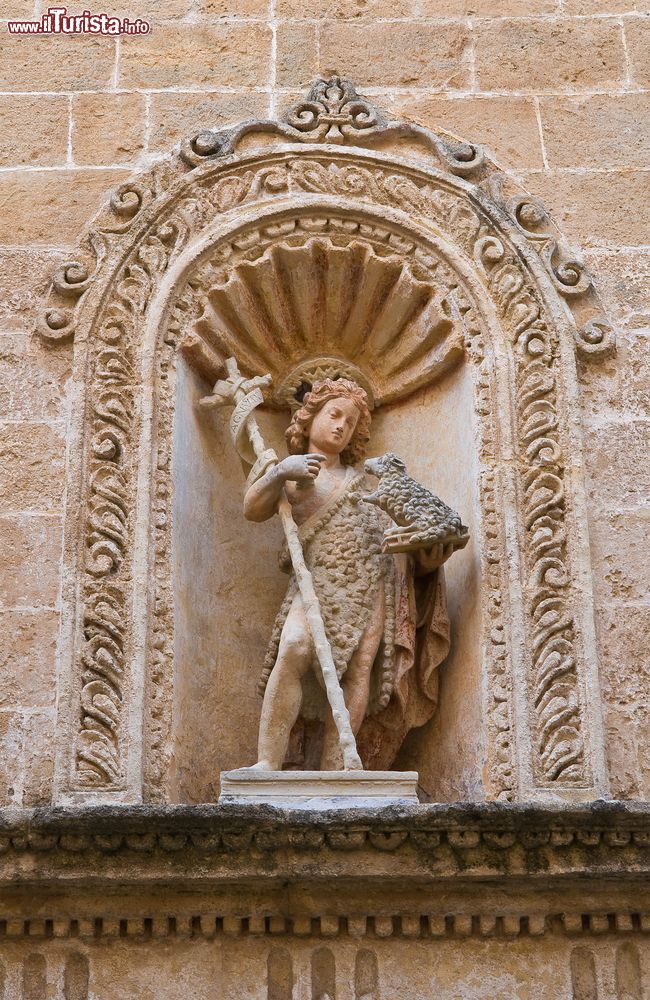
402	539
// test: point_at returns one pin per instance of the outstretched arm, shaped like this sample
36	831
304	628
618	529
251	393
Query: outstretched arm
261	499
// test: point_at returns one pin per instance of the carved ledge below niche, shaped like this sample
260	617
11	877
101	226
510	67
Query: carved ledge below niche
207	873
231	844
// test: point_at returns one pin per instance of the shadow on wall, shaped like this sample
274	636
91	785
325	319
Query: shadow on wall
587	974
36	980
280	976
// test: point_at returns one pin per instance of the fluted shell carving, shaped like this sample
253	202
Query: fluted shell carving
295	304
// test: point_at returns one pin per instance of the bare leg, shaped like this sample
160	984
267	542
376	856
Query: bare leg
283	695
355	685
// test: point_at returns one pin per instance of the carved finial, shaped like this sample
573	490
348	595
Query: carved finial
332	111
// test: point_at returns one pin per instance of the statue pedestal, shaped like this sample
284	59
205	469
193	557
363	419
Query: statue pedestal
318	789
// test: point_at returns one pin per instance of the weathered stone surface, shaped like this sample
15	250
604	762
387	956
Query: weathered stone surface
31	467
38	759
22	9
505	126
616	463
192	952
549	55
623	632
297	57
233	8
609	130
576	201
345	9
33	380
176	116
38	127
27	658
319	790
153	10
69	196
622	389
96	139
25	274
623	277
271	878
486	8
11	764
55	62
31	568
236	840
603	6
430	55
620	562
637	36
183	55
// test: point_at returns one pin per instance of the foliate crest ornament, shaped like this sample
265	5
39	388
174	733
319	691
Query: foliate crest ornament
333	111
316	198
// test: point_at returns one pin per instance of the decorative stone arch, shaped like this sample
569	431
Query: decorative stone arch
469	270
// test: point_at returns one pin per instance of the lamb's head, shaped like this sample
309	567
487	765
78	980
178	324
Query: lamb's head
385	465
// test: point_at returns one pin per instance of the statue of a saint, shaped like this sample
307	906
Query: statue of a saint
384	613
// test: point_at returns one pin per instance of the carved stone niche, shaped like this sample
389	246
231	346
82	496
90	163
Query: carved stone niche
428	276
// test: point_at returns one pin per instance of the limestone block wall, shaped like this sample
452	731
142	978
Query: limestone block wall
557	91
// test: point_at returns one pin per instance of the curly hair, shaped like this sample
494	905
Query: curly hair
297	433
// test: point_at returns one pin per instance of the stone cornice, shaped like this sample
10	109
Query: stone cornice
228	845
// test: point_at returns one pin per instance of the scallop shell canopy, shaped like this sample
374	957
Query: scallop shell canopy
320	309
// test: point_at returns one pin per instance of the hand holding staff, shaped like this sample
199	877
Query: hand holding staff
246	395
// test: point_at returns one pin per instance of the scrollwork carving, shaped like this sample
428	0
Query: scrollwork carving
57	325
71	279
158	218
107	521
556	708
596	337
128	199
98	758
333	112
100	745
568	275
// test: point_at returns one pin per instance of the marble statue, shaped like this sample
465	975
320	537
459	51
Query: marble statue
379	587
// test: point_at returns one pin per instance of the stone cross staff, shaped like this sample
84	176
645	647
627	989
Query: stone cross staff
245	395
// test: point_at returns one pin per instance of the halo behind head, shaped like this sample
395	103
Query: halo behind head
293	388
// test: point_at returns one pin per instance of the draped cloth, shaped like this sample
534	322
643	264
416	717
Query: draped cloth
360	588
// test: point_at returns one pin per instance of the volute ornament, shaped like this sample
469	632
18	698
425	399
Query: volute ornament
334	112
169	266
